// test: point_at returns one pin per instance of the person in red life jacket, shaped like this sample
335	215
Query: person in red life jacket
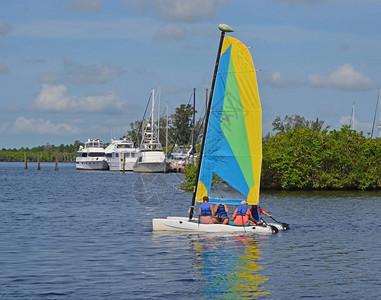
256	211
206	212
242	215
221	213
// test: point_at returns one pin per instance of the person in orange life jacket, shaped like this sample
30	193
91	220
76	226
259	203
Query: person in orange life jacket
206	212
221	213
242	215
256	211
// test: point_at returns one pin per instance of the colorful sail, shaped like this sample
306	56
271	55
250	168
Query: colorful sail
233	145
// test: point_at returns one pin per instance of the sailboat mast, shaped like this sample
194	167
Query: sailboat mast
194	120
353	117
158	117
152	112
375	115
379	121
223	28
166	135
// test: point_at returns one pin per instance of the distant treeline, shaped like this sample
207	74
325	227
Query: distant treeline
46	153
303	156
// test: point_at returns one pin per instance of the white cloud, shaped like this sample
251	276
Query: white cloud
4	28
344	78
80	73
87	6
180	10
41	127
3	69
54	99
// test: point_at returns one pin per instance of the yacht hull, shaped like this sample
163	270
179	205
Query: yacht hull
91	165
118	166
151	167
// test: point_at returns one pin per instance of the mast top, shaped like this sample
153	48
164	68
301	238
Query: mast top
225	28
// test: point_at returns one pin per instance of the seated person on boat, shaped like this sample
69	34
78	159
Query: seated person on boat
242	215
256	211
206	212
221	213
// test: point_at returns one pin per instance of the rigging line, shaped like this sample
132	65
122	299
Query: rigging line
243	225
141	122
190	98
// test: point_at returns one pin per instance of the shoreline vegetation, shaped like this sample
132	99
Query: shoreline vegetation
306	158
300	156
46	153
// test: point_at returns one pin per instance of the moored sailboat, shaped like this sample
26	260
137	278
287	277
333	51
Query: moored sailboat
151	157
232	142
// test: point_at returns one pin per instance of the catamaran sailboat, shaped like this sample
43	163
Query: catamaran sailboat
121	155
232	142
151	157
91	156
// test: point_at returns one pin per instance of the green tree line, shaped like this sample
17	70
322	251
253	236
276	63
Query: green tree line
302	155
46	153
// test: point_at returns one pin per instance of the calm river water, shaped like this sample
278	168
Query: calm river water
71	234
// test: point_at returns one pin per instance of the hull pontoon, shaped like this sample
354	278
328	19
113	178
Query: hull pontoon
193	226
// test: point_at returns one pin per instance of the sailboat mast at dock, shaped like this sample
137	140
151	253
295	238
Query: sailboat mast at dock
375	116
379	120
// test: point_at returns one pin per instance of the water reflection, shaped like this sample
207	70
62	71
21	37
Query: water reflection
227	267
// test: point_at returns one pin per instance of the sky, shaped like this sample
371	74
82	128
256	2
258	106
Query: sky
78	69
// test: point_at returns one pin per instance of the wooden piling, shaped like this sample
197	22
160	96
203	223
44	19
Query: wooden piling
38	162
124	163
25	162
56	163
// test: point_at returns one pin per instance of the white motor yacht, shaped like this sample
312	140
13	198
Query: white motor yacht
91	156
121	155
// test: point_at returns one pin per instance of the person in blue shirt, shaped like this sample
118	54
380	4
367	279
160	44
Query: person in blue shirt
206	212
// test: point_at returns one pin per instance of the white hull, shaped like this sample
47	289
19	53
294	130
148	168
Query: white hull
151	162
151	167
118	166
91	165
183	224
